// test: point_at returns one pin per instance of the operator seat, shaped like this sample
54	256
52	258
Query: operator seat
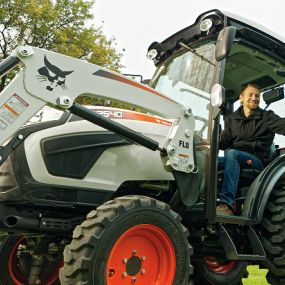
251	173
247	176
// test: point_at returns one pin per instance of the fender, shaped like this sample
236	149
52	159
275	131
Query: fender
261	189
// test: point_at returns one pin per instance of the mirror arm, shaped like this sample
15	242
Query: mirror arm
267	106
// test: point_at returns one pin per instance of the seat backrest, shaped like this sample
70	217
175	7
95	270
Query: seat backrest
246	172
246	177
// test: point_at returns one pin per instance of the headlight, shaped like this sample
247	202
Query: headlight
217	95
206	25
152	54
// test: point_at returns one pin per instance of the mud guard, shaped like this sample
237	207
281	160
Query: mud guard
188	187
260	190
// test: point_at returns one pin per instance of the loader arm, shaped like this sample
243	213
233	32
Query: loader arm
47	77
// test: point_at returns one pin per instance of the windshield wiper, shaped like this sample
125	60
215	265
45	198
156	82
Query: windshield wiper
192	91
197	54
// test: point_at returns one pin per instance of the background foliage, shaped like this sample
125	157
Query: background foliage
256	276
62	26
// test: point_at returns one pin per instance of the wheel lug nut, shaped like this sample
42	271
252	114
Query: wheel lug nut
134	252
134	280
125	274
143	271
143	258
111	272
125	260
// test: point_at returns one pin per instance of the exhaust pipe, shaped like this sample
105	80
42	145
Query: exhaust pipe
17	222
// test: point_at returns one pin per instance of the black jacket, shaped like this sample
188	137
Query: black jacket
253	134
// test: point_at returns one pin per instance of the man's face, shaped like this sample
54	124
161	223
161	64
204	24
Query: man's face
250	98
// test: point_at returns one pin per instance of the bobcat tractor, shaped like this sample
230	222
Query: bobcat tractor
107	196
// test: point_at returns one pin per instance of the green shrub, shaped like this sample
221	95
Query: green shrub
256	276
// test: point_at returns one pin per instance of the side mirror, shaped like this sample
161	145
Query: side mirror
273	95
224	42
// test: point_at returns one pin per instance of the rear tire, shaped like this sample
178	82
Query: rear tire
273	236
14	269
129	239
210	271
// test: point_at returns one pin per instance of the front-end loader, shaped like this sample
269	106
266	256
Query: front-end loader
108	196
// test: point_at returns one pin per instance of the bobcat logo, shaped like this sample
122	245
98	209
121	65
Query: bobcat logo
53	74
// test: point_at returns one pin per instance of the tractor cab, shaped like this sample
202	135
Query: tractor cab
204	67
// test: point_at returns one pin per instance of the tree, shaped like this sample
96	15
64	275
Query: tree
58	25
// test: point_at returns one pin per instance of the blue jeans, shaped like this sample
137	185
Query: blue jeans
233	161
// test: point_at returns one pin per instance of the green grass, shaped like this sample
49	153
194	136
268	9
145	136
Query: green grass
256	276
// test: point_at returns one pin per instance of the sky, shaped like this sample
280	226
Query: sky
135	24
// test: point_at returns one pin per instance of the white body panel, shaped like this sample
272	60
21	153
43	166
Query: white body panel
115	165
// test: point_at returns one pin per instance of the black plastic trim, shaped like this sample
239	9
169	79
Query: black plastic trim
193	35
73	155
258	39
190	35
231	250
14	219
68	195
33	192
188	187
23	133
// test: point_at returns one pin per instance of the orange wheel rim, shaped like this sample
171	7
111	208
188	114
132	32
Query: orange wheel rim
13	266
144	254
18	277
217	267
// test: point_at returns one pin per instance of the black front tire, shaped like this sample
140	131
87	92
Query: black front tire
98	251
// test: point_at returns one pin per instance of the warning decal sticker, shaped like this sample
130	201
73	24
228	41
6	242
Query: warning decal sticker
17	104
12	108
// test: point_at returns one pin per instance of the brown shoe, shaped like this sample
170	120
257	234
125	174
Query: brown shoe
224	210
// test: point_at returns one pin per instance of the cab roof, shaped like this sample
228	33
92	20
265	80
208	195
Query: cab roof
257	55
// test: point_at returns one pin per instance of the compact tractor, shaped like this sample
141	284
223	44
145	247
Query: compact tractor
107	196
